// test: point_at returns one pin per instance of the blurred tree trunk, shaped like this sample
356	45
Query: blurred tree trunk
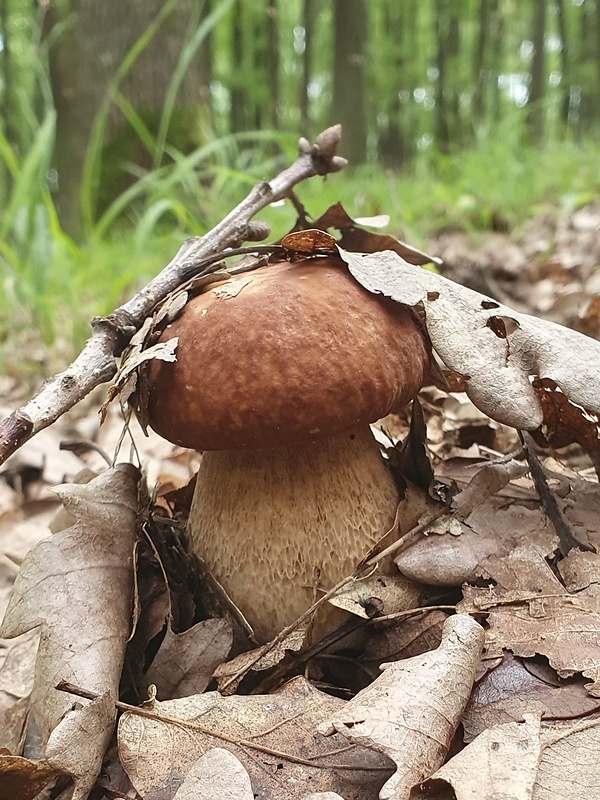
308	21
349	100
238	110
396	142
564	63
484	69
447	113
537	88
273	63
95	38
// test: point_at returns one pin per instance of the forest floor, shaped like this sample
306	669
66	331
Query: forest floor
540	609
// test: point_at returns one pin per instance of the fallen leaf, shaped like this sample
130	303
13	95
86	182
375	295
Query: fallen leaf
395	593
497	348
506	693
524	761
185	662
530	612
217	775
22	779
158	754
77	586
412	710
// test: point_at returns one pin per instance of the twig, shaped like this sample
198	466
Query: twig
566	537
78	691
96	362
365	565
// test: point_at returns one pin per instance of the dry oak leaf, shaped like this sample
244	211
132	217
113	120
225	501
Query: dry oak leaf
531	612
412	710
496	347
158	754
511	689
78	586
185	662
217	775
22	779
524	761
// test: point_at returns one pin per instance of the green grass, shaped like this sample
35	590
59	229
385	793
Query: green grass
51	286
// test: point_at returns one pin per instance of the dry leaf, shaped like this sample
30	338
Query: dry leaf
16	682
395	593
157	754
22	779
527	762
217	775
510	690
185	662
77	586
531	612
412	710
496	347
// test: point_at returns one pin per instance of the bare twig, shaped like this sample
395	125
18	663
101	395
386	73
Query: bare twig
96	362
78	691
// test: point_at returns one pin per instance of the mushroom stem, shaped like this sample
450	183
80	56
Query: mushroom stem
277	525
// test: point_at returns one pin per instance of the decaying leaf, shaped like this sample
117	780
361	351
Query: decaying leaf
497	349
531	612
274	737
78	586
511	690
217	775
412	710
23	779
393	592
186	661
525	761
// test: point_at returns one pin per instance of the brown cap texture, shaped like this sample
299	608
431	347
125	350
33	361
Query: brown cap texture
288	353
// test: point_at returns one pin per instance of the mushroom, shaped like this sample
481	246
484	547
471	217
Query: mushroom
279	373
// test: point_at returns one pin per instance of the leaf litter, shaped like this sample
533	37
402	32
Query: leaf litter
539	609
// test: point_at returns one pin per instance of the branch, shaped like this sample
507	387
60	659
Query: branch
96	362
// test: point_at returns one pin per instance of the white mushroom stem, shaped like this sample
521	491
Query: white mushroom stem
276	526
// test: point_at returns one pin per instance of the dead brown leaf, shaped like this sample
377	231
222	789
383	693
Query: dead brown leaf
497	348
158	754
524	761
531	612
217	775
412	710
78	586
185	662
22	779
510	690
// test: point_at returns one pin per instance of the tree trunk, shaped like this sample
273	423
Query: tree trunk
349	101
273	63
537	90
564	63
308	13
85	59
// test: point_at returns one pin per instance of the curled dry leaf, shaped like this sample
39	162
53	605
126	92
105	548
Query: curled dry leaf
497	348
394	592
77	586
23	779
531	612
523	761
274	736
412	710
185	662
510	690
217	775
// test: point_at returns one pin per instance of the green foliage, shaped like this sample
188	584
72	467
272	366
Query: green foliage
189	178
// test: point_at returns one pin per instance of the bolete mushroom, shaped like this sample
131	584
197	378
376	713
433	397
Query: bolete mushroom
278	374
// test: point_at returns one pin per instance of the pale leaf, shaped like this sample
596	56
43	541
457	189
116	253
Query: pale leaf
412	710
496	347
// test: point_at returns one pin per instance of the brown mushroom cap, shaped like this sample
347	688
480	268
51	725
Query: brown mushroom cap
286	354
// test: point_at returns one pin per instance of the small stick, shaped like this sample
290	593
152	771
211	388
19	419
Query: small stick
78	691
